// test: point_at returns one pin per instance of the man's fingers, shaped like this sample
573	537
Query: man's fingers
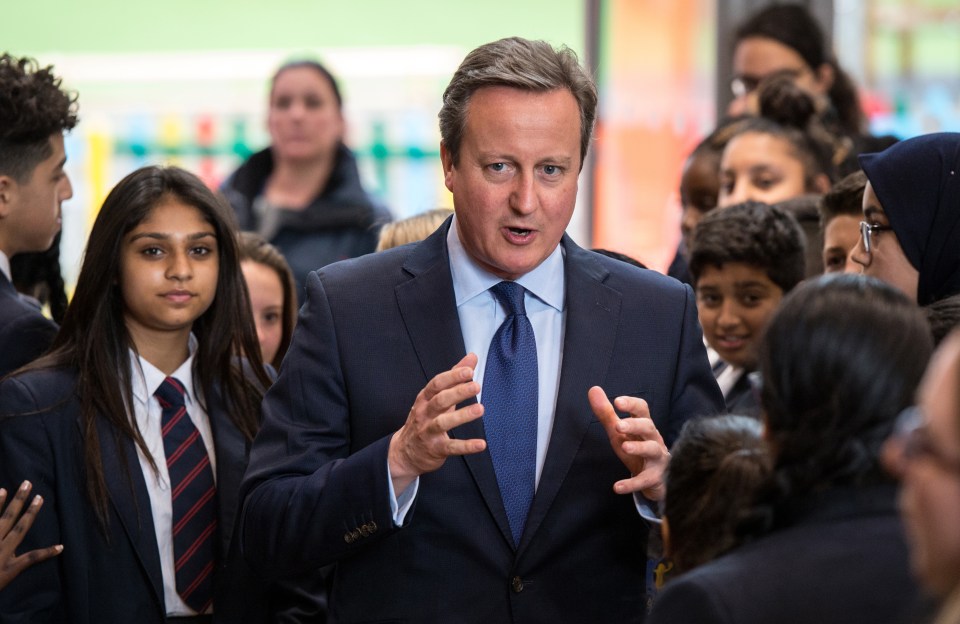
648	484
602	409
633	405
460	372
451	397
446	422
465	447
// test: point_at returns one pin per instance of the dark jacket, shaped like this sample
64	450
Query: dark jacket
114	577
841	559
25	333
342	222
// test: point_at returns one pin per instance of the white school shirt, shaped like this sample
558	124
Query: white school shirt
145	378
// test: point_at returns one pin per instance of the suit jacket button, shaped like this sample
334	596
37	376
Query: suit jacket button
373	526
517	584
355	534
364	530
348	538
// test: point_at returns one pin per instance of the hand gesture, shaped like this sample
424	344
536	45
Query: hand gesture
636	442
12	532
423	444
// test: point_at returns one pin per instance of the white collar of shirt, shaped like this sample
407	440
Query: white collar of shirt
5	266
545	282
145	378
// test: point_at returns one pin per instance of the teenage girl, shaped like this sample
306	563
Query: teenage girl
783	154
273	295
134	428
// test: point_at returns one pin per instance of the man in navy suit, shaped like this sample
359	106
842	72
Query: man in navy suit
375	455
34	114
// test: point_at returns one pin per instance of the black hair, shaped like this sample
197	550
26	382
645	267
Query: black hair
840	359
33	107
716	467
754	233
38	275
844	198
943	316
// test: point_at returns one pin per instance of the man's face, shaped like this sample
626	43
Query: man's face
515	185
31	209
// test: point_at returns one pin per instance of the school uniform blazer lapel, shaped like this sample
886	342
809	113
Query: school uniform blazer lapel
428	308
122	473
231	449
592	319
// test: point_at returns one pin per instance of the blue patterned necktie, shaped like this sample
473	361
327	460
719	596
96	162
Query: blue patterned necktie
510	406
193	496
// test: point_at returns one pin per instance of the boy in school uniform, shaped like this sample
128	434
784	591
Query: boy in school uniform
743	260
34	114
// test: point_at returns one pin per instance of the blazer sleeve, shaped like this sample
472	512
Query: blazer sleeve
686	601
24	339
26	453
309	497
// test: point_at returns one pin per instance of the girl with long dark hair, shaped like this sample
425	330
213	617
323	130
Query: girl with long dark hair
134	427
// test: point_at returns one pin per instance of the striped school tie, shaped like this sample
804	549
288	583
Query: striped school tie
194	497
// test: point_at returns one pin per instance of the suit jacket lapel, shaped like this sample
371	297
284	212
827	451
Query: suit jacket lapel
429	310
137	520
592	319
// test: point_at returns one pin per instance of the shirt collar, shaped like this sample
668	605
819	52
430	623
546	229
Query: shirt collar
145	378
546	281
5	266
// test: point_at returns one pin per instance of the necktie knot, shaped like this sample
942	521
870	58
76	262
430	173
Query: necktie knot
170	393
510	294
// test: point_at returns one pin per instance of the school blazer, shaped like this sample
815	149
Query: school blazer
25	333
111	577
374	330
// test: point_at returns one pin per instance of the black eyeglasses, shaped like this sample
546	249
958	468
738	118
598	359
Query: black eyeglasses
868	230
914	437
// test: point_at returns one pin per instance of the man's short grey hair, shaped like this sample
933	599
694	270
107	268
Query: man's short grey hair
521	64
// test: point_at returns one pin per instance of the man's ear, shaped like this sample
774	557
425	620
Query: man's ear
447	159
9	190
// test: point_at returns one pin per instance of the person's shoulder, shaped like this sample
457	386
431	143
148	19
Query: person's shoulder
622	274
43	387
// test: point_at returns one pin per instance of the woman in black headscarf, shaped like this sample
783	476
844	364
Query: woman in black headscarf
910	235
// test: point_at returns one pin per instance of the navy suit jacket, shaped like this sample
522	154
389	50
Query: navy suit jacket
374	330
114	577
25	333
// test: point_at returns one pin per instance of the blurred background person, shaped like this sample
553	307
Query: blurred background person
273	298
841	210
412	229
925	453
910	234
786	40
303	193
839	361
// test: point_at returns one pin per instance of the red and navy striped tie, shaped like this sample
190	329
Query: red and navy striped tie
194	497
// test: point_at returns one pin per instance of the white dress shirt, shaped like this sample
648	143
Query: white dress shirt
145	378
